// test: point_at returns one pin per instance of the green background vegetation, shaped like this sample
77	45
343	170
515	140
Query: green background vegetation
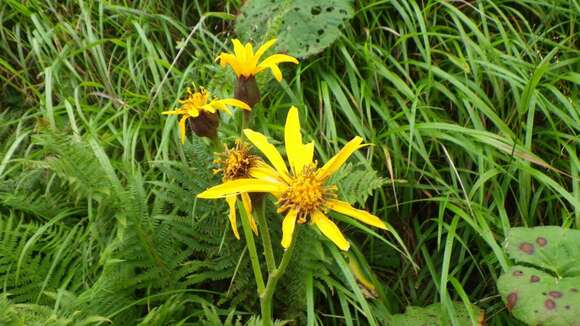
472	107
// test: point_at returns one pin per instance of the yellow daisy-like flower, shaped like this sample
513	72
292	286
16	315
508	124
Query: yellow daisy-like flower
301	191
200	107
246	63
239	163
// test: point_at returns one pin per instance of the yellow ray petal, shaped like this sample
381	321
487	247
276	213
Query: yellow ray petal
276	72
288	228
361	215
247	202
277	195
174	112
193	112
293	141
239	186
230	59
338	160
276	59
239	50
221	107
233	102
249	50
261	142
182	129
226	59
208	108
264	171
249	65
231	200
308	152
262	49
330	230
216	105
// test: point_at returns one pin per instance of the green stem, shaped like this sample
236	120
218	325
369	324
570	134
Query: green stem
245	120
268	294
215	145
251	248
265	235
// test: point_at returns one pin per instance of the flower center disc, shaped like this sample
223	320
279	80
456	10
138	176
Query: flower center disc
236	163
306	194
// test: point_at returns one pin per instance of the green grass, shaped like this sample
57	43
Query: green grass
472	109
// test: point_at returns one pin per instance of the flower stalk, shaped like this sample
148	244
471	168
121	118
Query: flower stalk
265	290
252	249
267	295
265	235
216	146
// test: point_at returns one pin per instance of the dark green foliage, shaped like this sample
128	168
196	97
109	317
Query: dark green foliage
143	253
74	161
37	259
308	260
357	183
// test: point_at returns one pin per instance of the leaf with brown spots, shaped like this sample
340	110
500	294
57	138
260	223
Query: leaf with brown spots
538	298
430	315
551	248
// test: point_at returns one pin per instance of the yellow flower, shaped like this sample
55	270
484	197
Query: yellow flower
200	105
244	61
301	191
238	163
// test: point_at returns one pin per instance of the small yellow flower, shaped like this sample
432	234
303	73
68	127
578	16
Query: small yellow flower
301	191
198	104
244	61
239	163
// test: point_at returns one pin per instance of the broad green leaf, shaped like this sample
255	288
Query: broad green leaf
303	28
546	290
431	316
538	298
548	247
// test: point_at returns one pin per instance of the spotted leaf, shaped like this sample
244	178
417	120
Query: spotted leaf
548	247
539	298
431	315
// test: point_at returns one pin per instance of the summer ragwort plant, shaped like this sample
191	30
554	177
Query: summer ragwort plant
301	191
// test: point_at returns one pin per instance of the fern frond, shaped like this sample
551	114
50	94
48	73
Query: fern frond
357	182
